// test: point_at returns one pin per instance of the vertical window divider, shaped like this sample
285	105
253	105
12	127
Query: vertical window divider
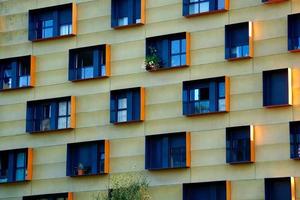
108	59
142	96
290	88
228	190
32	70
106	156
251	39
188	48
29	164
188	149
74	18
227	94
73	112
143	11
252	144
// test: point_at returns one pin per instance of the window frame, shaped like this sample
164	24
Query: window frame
268	186
132	115
188	187
249	137
35	14
266	77
114	15
228	45
186	4
30	59
167	41
72	149
188	85
151	139
34	109
104	49
272	1
12	162
292	18
294	128
68	196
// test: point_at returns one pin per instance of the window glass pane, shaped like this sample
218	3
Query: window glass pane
183	59
103	70
47	28
3	167
204	6
7	79
122	103
65	29
68	122
122	116
204	93
87	72
222	89
69	107
183	45
221	4
123	21
175	46
85	59
20	174
21	160
62	122
194	8
62	108
221	104
175	61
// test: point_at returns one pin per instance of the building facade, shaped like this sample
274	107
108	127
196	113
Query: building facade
201	96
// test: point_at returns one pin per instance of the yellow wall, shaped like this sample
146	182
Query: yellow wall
163	97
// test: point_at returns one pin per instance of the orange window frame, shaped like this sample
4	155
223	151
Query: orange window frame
108	59
188	149
32	71
106	156
143	101
188	48
252	143
73	112
228	190
29	170
227	94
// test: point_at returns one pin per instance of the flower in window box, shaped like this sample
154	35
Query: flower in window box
152	61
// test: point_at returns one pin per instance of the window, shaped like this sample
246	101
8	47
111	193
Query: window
168	151
89	62
295	139
127	105
52	22
272	1
88	158
219	190
280	188
61	196
170	50
277	87
206	96
127	13
238	41
198	7
50	114
15	165
18	72
294	32
240	144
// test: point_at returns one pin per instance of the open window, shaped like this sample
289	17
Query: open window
53	22
168	151
294	32
89	62
219	190
240	144
57	196
17	72
277	87
88	158
280	188
127	105
206	96
51	114
127	13
168	51
239	41
200	7
15	165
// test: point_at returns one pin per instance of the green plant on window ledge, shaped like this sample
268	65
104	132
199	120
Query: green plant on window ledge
152	61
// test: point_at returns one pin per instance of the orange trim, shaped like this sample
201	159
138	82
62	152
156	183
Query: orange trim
228	190
188	149
252	143
143	11
32	70
227	94
29	164
227	5
73	112
251	35
107	59
70	195
293	188
188	49
142	104
107	155
290	86
74	19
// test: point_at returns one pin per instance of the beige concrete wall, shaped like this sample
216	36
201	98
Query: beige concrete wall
163	97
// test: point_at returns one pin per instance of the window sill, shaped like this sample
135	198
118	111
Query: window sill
239	58
128	26
278	106
89	175
167	168
14	182
240	162
209	113
18	88
89	79
168	68
128	122
51	131
53	38
206	13
274	1
294	50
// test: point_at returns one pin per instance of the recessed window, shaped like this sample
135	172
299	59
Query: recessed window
240	144
168	151
89	62
168	51
206	96
60	196
280	188
127	105
198	7
15	165
52	22
18	72
127	13
294	32
277	87
295	139
50	114
88	158
238	41
219	190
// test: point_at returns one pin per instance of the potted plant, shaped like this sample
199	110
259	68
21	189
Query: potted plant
80	169
152	61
